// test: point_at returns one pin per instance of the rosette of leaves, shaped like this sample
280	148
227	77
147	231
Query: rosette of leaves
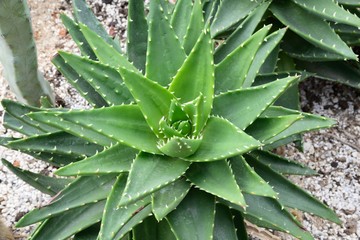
319	40
175	146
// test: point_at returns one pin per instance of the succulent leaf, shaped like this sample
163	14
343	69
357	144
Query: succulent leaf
194	217
153	99
180	18
105	51
80	192
330	10
257	99
216	178
115	217
349	2
307	123
116	159
228	73
195	27
230	141
57	143
168	198
248	180
242	33
292	15
85	16
89	233
76	34
124	123
137	34
263	129
267	212
198	72
288	192
231	12
100	76
281	165
45	184
163	46
52	119
179	147
149	173
265	50
79	83
224	226
81	218
342	72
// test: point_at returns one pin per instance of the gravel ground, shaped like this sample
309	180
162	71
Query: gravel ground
333	153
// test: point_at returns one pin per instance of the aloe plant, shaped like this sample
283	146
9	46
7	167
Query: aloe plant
18	54
319	40
175	146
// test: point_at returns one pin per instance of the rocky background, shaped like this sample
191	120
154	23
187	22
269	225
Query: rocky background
333	153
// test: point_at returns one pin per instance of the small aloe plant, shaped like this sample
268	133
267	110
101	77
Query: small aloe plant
176	147
18	54
319	40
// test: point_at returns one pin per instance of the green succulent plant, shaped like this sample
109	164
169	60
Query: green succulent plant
175	146
18	54
319	40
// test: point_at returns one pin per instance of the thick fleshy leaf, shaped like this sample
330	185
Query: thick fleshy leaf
309	122
263	129
196	25
280	164
298	48
149	173
104	51
240	226
76	34
291	195
216	178
292	15
165	54
115	159
329	10
179	147
104	79
90	233
194	217
224	226
53	119
342	72
137	34
124	123
57	143
349	2
267	212
114	217
60	227
231	12
197	72
147	230
85	16
242	33
231	72
265	50
168	198
180	18
78	82
256	98
45	184
222	139
248	180
153	99
80	192
20	111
